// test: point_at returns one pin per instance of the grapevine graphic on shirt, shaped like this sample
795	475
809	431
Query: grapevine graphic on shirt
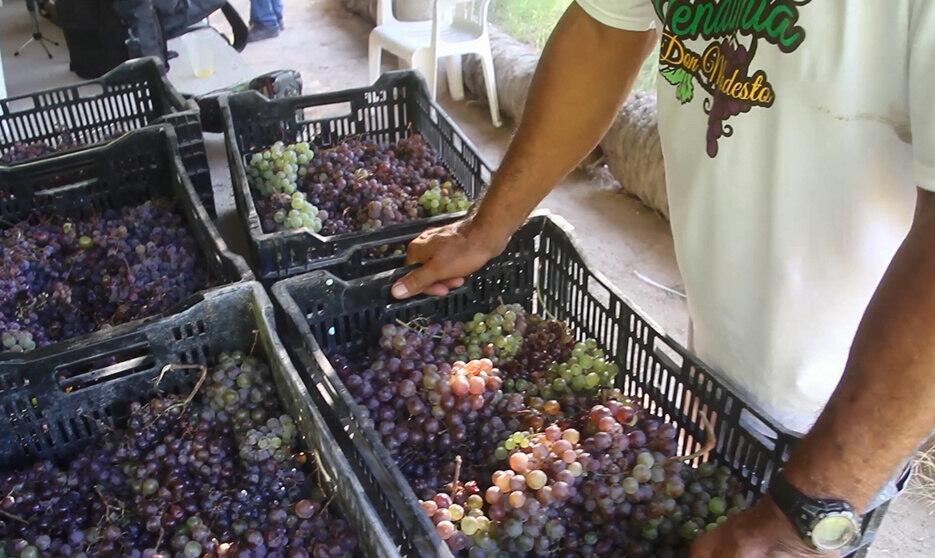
734	30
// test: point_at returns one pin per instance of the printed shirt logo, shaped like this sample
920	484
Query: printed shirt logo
733	29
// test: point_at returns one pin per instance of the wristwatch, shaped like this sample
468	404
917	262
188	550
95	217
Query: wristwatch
826	525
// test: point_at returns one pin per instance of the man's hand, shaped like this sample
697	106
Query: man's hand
584	74
760	532
447	254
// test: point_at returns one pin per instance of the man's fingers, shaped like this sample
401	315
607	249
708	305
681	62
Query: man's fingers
417	250
417	280
454	283
441	288
414	252
436	289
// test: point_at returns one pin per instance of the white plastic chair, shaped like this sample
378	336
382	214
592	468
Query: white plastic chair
457	27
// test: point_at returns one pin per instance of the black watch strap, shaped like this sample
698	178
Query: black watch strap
802	510
788	499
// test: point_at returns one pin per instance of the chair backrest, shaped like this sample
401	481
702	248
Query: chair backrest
469	16
385	12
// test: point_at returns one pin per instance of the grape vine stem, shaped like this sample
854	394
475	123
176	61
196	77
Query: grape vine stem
201	379
108	507
542	306
710	442
184	404
456	480
14	517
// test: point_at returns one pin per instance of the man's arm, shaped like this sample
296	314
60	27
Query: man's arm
880	412
585	73
885	403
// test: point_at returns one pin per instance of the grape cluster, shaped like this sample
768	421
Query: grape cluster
526	499
587	370
356	185
177	483
65	141
19	152
61	278
497	335
274	174
544	343
457	512
558	464
14	339
444	198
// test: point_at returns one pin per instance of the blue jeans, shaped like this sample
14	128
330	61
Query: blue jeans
266	13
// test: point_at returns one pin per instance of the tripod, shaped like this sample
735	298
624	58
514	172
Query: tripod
36	32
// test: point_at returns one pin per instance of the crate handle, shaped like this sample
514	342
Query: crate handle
314	113
56	190
89	90
402	271
764	433
106	367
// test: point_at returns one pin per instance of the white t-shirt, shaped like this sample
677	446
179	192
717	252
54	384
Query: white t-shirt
795	134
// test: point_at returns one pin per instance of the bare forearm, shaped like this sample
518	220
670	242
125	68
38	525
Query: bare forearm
885	404
585	72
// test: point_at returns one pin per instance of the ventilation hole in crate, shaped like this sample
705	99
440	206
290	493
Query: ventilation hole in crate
87	426
210	358
177	333
667	354
63	433
46	435
758	429
34	443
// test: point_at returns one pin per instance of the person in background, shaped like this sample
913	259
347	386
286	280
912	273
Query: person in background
799	142
265	20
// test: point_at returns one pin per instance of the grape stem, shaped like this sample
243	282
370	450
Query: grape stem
201	380
456	481
108	508
162	533
14	517
710	442
256	337
542	307
416	324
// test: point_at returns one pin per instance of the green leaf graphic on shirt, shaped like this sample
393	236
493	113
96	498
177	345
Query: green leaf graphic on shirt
682	80
685	91
673	75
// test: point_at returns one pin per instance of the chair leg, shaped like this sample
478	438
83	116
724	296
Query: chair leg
425	62
490	80
374	58
455	77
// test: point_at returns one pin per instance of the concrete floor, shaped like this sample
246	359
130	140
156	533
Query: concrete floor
620	236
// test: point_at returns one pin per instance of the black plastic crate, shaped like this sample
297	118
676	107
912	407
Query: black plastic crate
139	166
395	106
133	95
543	270
53	405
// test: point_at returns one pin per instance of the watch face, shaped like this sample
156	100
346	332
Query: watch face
834	532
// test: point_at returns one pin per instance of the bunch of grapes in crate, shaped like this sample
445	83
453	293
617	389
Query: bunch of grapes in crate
357	185
518	444
215	472
60	278
65	140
